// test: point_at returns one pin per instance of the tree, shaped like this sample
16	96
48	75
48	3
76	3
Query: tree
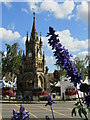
80	65
59	73
87	61
12	61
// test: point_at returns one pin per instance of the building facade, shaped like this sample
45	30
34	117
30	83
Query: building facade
33	69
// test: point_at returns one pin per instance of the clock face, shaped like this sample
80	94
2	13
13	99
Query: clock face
30	54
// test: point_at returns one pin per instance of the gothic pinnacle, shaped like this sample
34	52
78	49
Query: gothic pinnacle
27	37
40	38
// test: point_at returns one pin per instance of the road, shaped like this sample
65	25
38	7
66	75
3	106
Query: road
39	110
61	110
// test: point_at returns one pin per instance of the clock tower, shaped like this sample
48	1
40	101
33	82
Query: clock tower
33	69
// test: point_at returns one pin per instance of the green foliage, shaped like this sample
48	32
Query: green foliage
38	90
80	65
89	109
0	62
13	60
6	88
74	111
59	73
81	110
87	61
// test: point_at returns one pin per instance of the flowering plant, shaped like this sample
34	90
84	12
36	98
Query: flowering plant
70	91
21	115
7	92
63	58
50	103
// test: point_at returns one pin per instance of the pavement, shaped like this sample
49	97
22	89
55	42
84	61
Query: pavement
32	102
37	109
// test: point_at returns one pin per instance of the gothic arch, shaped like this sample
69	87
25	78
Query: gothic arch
28	81
41	81
35	80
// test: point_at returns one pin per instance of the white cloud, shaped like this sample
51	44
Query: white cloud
45	42
73	44
82	11
8	34
24	39
58	10
0	45
82	54
7	3
5	53
70	16
24	10
50	60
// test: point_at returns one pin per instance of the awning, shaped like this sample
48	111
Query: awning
58	84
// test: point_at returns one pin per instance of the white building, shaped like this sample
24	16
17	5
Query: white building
65	83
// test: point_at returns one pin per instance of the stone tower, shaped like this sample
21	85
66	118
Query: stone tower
32	74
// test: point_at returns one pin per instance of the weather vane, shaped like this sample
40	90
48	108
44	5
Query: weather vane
33	9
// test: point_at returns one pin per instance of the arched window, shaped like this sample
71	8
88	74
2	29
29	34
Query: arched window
40	82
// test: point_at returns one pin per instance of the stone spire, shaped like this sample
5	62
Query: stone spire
43	56
44	62
26	43
40	38
34	31
27	37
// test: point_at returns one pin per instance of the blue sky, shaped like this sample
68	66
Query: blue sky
69	19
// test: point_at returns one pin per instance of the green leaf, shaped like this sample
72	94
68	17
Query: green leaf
12	62
89	109
76	103
80	111
84	111
74	111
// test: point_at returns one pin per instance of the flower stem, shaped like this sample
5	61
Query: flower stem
52	112
81	103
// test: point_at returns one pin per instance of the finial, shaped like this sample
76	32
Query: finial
33	9
43	52
43	55
40	34
27	33
33	15
40	38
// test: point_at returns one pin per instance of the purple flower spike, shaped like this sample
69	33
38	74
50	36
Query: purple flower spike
50	101
47	118
63	57
22	108
22	115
